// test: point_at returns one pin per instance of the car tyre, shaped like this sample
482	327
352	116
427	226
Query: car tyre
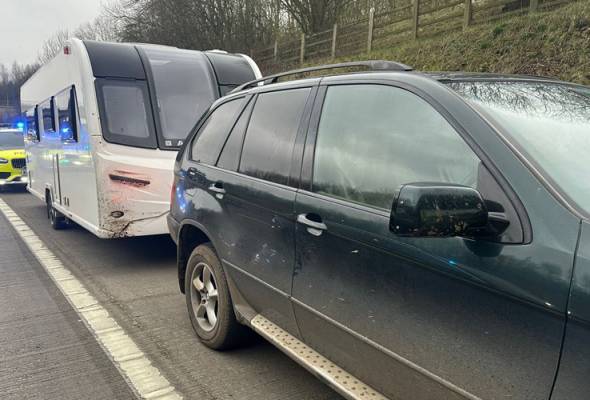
209	302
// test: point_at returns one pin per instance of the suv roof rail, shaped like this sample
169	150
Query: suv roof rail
373	65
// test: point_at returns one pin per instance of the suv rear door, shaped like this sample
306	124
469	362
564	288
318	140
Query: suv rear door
246	202
437	317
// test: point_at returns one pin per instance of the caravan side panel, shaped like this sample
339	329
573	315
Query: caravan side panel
62	167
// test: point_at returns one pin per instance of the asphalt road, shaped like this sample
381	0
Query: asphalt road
46	351
135	280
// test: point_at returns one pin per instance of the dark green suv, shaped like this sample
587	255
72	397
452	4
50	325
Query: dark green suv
400	234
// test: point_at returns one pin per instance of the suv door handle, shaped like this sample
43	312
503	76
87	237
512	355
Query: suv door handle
313	227
217	187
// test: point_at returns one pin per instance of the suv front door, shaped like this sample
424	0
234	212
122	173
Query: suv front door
436	318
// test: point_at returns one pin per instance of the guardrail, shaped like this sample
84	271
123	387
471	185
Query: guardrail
418	19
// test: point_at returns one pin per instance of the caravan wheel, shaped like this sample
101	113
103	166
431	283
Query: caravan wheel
58	220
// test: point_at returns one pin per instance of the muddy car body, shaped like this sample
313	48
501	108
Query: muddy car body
400	234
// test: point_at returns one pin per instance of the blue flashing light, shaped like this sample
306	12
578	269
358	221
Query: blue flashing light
20	125
180	200
452	262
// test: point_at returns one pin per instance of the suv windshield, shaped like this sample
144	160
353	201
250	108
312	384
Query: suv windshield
184	88
10	140
549	122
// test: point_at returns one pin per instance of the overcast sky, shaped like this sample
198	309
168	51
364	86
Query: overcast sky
25	24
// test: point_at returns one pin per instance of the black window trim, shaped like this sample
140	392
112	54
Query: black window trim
38	123
75	114
205	117
310	142
153	102
35	116
41	118
73	110
149	142
248	108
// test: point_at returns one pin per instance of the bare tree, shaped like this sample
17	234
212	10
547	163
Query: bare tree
11	80
104	28
315	16
234	25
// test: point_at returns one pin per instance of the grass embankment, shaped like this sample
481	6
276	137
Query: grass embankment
553	43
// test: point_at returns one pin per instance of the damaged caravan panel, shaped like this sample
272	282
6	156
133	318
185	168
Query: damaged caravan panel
105	122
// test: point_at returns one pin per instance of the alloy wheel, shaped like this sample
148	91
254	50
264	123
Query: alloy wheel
204	296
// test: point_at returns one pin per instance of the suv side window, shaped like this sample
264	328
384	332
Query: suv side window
230	155
372	139
271	134
214	132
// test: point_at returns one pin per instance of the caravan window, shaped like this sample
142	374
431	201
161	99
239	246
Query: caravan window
125	112
66	114
31	126
184	88
47	116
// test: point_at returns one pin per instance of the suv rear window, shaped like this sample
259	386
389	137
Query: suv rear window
230	155
270	136
214	131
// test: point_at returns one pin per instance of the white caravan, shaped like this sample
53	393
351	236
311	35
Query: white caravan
105	122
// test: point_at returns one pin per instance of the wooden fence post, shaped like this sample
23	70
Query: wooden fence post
467	15
370	34
334	35
534	6
276	50
302	52
416	17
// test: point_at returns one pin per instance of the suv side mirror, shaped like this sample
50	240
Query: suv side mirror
439	210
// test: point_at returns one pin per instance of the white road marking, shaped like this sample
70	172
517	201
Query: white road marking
145	379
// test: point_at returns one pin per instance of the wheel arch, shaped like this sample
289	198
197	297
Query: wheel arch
190	235
49	195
